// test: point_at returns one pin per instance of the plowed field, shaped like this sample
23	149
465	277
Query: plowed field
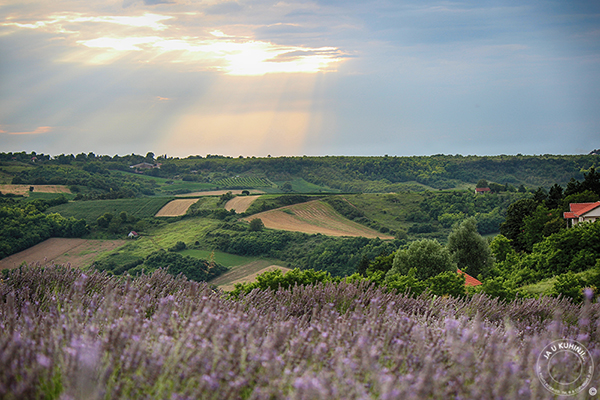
24	189
77	252
175	208
314	217
240	203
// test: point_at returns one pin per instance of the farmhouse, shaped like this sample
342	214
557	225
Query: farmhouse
483	190
582	212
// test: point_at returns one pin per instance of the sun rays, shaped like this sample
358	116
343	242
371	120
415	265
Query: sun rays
105	39
269	121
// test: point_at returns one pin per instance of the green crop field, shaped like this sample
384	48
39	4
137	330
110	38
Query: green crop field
225	259
91	210
182	187
48	196
163	237
390	210
246	182
299	185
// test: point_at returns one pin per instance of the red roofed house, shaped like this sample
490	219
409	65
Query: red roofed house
582	212
469	280
483	190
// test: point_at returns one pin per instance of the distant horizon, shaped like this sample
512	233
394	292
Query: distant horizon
171	156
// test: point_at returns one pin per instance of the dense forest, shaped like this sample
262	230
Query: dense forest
347	174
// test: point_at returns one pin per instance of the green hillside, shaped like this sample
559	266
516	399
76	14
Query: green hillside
91	210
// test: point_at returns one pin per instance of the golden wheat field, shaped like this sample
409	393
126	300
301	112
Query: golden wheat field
175	208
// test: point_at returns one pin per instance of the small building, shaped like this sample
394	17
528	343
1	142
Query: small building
582	212
144	165
469	280
133	235
483	190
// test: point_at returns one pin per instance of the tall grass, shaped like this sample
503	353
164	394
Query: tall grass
70	334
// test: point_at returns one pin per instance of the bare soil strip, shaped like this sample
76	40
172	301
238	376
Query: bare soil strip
244	273
175	208
314	217
218	193
240	203
78	252
24	189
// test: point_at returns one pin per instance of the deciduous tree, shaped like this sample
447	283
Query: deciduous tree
469	250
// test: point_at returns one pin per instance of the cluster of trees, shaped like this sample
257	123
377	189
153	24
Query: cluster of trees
417	265
193	268
100	182
120	224
24	224
338	256
530	220
452	207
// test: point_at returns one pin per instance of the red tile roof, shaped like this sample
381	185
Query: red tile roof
483	190
578	209
469	280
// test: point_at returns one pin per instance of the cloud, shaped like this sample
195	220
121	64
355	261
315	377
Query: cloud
129	3
39	130
106	39
229	7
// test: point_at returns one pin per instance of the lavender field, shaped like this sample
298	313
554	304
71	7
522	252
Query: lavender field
72	334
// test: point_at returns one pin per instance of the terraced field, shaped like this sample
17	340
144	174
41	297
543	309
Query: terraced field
314	217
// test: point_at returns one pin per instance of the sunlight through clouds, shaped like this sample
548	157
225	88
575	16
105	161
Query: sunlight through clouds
216	51
299	76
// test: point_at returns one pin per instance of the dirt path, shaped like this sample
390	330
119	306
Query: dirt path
240	203
24	189
244	273
77	252
175	208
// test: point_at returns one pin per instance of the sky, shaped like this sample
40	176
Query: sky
299	77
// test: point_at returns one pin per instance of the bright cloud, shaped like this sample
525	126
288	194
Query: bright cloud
216	50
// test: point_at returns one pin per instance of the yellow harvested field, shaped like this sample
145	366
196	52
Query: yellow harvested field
175	208
24	189
314	217
218	193
77	252
240	203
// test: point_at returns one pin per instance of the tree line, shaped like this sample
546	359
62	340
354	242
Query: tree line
348	174
24	224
